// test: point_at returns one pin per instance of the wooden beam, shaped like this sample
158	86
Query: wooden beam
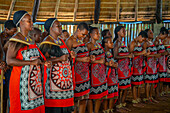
97	11
136	11
56	8
11	9
159	11
75	9
35	10
117	10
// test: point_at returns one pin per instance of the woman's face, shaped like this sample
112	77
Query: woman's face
56	28
122	32
26	22
150	34
141	39
162	37
95	34
82	33
109	43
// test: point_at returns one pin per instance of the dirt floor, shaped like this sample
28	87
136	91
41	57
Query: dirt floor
162	107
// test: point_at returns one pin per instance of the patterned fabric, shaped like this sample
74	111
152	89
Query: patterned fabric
112	77
26	90
151	70
162	64
59	81
167	64
98	76
82	78
124	68
137	77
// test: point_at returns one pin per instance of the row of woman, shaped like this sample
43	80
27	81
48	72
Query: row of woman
62	77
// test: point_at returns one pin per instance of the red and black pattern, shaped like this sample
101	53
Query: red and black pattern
137	76
82	78
112	78
168	65
35	80
162	71
124	74
98	76
151	67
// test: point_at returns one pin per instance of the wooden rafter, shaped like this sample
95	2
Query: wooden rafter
97	11
117	10
56	8
75	10
35	9
136	11
11	9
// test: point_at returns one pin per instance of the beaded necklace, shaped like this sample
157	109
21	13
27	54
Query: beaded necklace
58	41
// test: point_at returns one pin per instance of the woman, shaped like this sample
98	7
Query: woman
166	42
25	89
98	78
58	82
151	76
82	78
162	72
137	76
121	53
112	77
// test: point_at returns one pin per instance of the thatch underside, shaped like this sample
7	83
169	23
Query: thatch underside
83	10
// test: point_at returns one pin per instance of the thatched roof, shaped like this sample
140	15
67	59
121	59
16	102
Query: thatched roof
83	10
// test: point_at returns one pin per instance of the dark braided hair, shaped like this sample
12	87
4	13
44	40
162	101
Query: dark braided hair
117	29
104	32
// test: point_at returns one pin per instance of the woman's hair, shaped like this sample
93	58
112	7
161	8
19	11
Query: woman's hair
163	30
146	30
117	29
92	29
83	26
104	40
9	24
53	50
143	34
104	32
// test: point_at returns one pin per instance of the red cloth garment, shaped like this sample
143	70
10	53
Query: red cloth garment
82	78
58	80
167	64
112	78
98	76
137	77
162	71
124	74
151	70
25	87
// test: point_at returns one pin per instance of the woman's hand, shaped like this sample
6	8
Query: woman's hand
92	57
73	54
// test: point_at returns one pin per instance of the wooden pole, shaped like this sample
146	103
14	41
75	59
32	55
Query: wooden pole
159	11
97	11
117	10
136	11
56	8
35	10
75	10
11	9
